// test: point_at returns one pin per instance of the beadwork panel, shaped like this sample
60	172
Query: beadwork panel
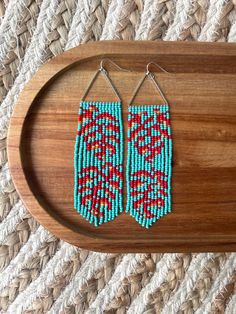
149	159
98	161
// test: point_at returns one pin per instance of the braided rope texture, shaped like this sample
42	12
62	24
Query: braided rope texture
42	274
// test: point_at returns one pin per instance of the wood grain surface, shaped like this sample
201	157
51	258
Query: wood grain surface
201	90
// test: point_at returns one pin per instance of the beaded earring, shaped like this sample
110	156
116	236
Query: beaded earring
148	172
98	156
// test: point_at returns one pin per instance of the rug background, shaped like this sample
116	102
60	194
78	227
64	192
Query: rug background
41	274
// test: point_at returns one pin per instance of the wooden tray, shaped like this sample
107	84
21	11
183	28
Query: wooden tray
202	95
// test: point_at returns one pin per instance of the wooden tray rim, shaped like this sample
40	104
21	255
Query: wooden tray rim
67	60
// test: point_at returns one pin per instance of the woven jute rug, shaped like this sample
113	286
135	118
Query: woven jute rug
42	274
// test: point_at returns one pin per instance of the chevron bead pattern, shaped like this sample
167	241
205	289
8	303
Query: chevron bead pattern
98	159
149	158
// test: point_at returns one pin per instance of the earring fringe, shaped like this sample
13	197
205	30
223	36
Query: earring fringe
98	161
149	160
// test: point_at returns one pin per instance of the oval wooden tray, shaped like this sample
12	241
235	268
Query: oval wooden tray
202	95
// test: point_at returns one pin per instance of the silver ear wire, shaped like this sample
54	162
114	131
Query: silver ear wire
157	65
112	62
106	75
151	76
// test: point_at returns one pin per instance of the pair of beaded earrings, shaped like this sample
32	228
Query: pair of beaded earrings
98	157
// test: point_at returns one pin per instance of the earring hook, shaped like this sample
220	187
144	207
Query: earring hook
150	75
103	71
112	62
157	65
